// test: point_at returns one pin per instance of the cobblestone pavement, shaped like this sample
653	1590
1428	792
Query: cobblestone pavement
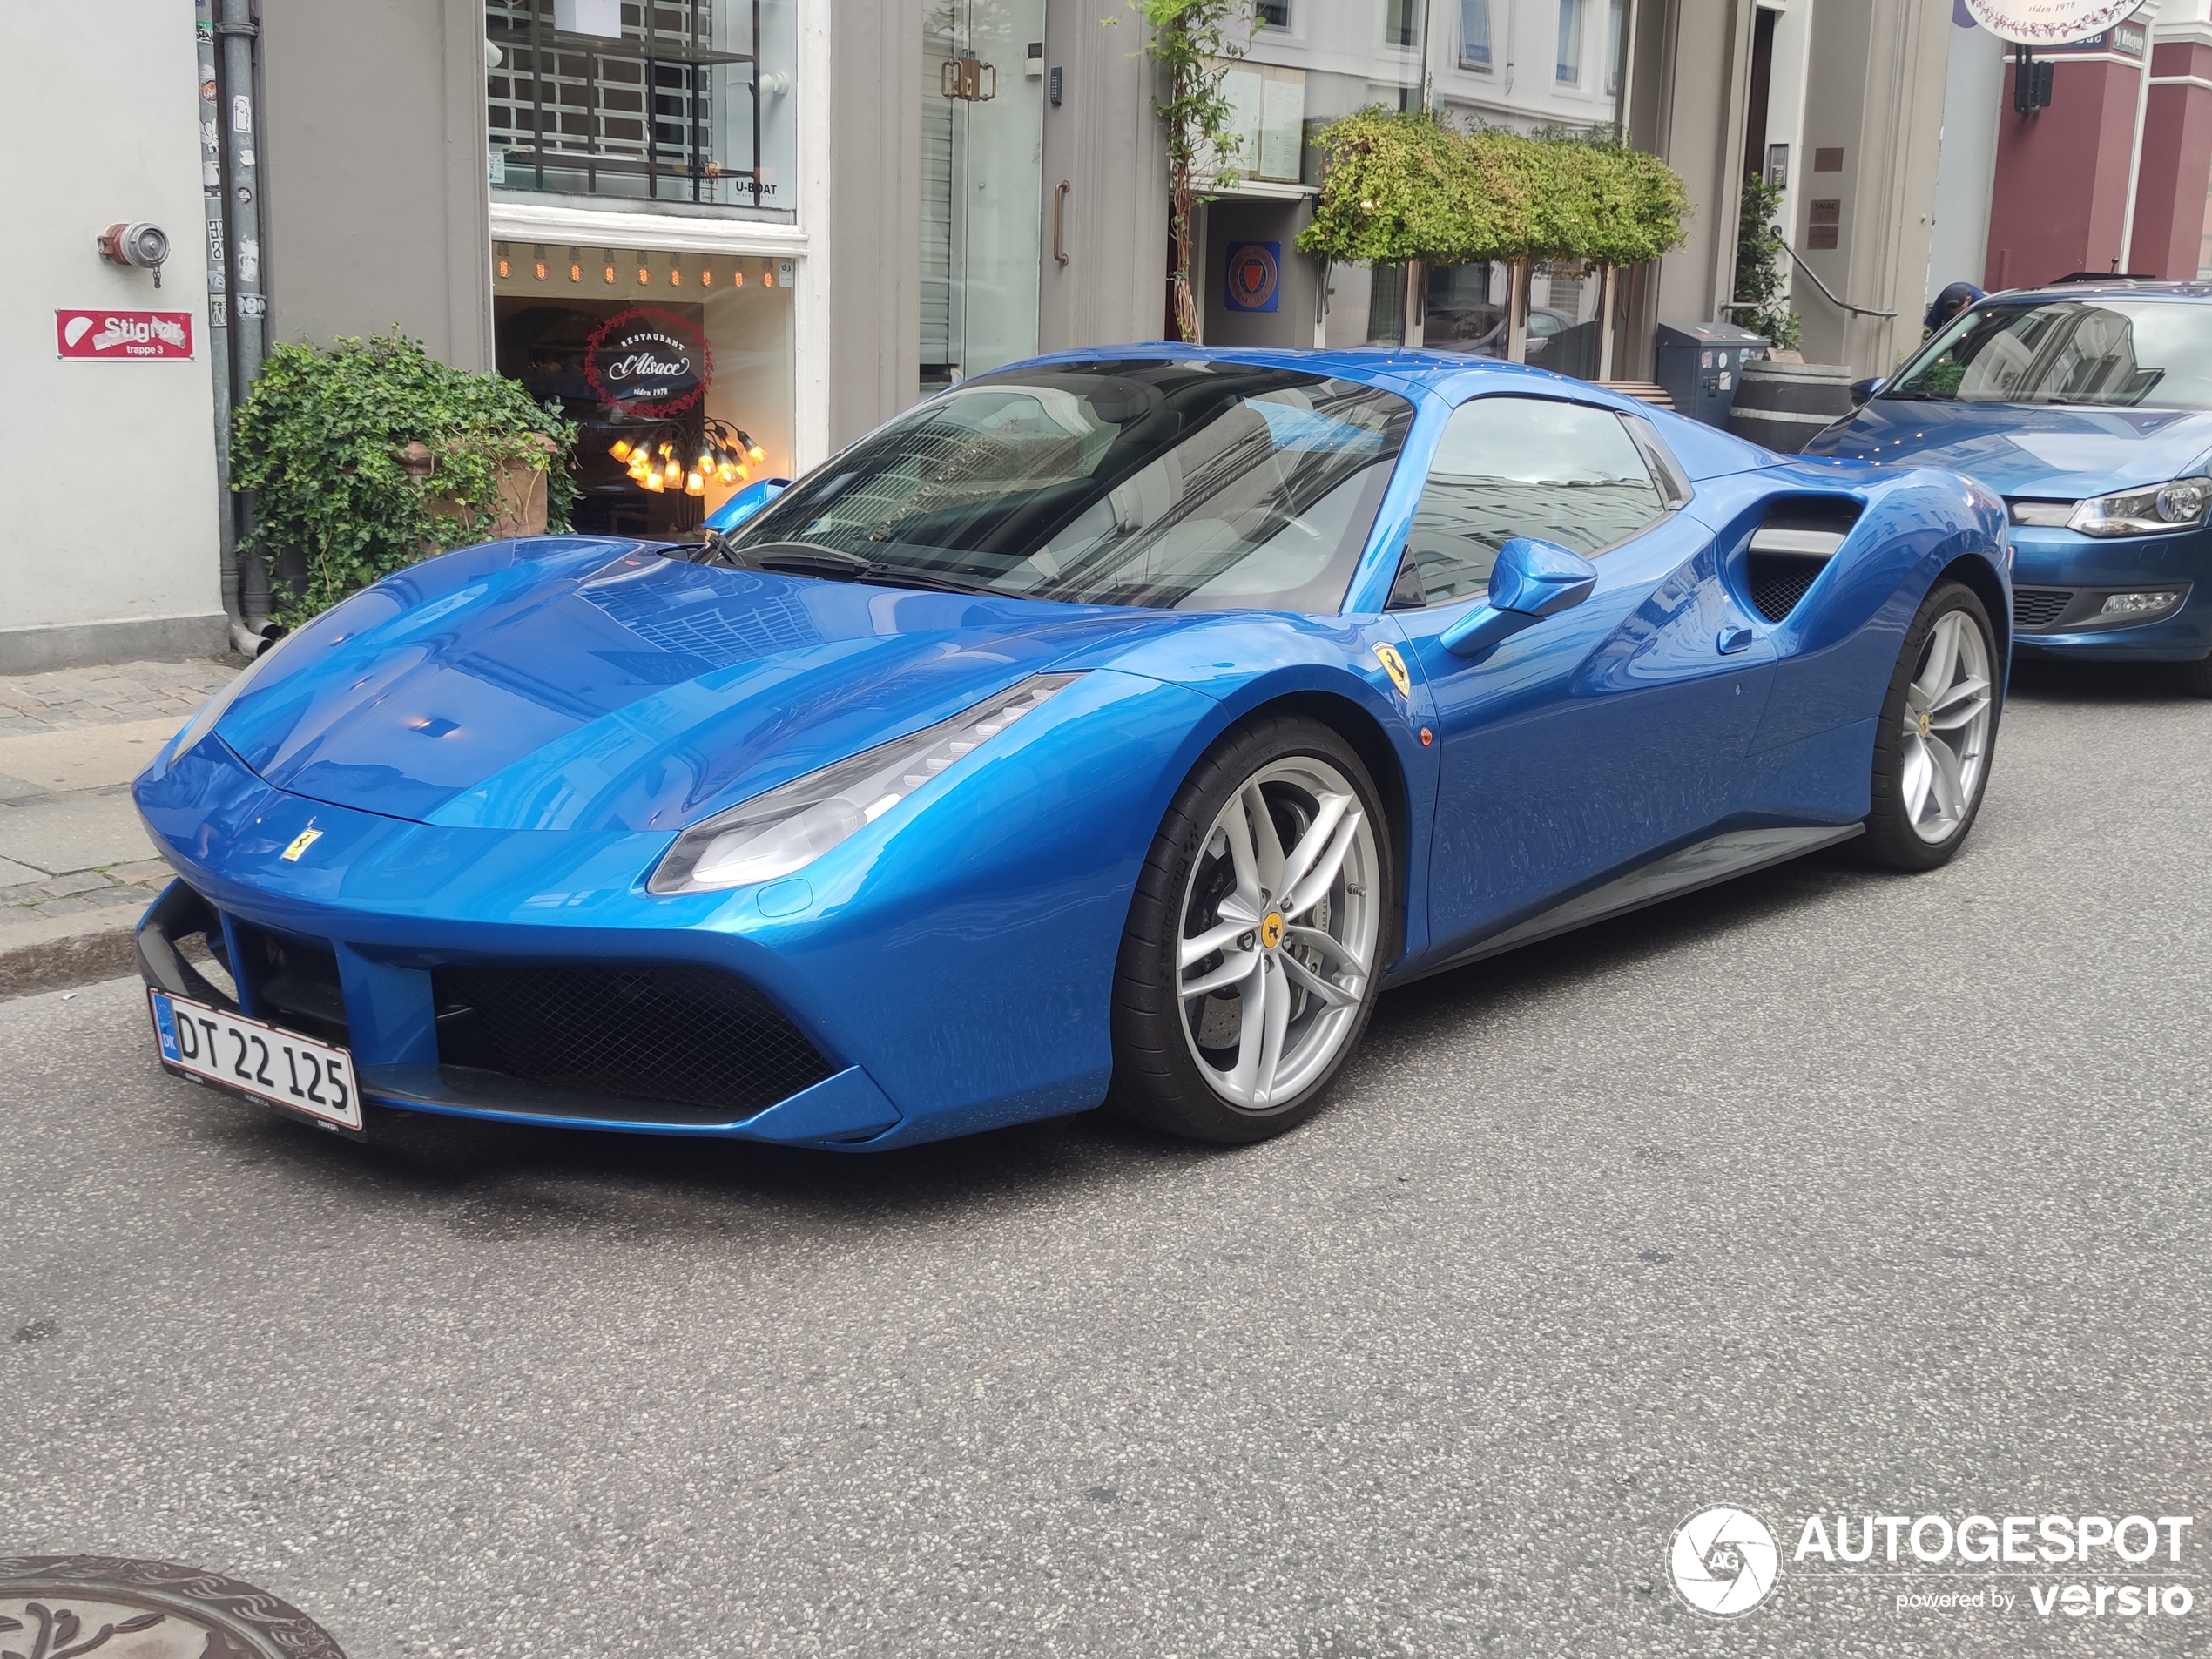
82	697
69	851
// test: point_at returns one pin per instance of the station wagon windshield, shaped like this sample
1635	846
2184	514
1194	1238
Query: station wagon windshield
1173	485
2119	353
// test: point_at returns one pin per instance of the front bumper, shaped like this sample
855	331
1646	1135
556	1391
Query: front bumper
778	1087
949	970
2062	579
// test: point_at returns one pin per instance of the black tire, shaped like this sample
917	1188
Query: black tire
2195	678
1158	1080
1890	841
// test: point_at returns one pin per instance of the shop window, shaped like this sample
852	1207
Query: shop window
685	101
621	338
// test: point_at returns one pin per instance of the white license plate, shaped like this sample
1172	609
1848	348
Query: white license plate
251	1058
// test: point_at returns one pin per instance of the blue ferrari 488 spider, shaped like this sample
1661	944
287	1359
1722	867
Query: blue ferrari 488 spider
1109	728
2088	406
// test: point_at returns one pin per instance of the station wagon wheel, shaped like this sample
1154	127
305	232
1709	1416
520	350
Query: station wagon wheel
1938	728
1256	941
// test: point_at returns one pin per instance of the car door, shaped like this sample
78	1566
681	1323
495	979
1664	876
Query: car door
1603	734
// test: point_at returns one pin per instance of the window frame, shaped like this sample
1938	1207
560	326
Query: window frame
1668	482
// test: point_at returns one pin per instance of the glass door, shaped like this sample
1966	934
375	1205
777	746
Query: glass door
983	183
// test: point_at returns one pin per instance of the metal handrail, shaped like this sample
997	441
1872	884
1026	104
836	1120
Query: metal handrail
1833	300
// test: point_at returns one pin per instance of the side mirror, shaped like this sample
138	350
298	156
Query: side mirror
1862	392
1531	580
747	501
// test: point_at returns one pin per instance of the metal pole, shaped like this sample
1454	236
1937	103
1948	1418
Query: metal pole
249	302
219	327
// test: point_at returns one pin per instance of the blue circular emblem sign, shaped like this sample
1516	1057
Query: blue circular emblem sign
1254	274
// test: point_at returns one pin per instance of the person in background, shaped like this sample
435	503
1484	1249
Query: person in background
1948	304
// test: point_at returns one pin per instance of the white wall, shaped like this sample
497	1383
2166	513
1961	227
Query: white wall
1973	94
1785	111
109	467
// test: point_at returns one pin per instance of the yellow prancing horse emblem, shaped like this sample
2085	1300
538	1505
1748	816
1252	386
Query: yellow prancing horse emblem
300	843
1394	665
1271	931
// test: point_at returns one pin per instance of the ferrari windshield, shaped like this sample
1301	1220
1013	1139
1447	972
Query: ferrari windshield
2111	353
1170	484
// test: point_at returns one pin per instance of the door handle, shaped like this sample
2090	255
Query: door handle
1733	640
1059	198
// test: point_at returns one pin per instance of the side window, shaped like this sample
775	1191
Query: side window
1524	466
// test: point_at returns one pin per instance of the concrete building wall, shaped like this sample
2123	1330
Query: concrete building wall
111	550
372	158
865	241
1875	106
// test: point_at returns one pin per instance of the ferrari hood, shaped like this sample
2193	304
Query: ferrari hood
2018	449
591	685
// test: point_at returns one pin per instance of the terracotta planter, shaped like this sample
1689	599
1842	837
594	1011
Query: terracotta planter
521	488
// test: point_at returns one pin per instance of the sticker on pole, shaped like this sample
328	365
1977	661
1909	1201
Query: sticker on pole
117	335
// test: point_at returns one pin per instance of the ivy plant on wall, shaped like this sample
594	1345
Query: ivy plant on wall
1404	187
372	454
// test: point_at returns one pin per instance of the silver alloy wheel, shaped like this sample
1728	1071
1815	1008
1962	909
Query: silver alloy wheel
1277	946
1949	708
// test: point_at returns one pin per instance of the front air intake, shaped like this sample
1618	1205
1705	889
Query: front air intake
673	1033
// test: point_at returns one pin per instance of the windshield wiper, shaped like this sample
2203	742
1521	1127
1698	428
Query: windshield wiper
835	565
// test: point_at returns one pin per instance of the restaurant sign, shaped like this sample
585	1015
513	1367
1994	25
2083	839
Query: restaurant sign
648	361
2049	23
116	335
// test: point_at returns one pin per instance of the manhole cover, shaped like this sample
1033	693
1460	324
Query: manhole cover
57	1606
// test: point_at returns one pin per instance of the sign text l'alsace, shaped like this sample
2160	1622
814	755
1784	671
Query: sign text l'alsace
114	335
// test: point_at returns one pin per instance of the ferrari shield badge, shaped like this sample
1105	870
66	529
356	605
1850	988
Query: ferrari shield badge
300	843
1394	665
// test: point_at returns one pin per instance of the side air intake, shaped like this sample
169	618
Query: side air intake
1789	550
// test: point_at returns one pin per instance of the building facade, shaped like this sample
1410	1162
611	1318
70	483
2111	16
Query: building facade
830	209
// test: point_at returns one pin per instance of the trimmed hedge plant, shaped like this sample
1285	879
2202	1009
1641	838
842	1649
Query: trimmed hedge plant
322	444
1402	187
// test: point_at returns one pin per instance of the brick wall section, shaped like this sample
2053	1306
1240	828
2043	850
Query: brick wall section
2061	187
2177	158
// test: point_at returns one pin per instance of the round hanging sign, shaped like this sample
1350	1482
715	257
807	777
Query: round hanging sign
2050	22
647	362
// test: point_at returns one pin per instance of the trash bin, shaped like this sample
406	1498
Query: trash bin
1700	364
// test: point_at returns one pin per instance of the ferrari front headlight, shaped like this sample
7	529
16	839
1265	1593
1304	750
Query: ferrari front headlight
795	823
2159	510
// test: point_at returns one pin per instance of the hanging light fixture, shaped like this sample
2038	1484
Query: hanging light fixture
576	264
737	278
608	274
676	270
644	271
767	275
540	257
501	267
706	276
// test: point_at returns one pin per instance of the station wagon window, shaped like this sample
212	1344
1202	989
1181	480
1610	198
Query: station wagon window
2120	353
1522	465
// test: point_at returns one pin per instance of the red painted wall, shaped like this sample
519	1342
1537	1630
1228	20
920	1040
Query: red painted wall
2177	158
2061	187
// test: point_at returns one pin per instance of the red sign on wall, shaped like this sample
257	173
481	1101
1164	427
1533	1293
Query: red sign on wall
119	334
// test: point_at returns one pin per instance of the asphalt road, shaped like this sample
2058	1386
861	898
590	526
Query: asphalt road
1824	1192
